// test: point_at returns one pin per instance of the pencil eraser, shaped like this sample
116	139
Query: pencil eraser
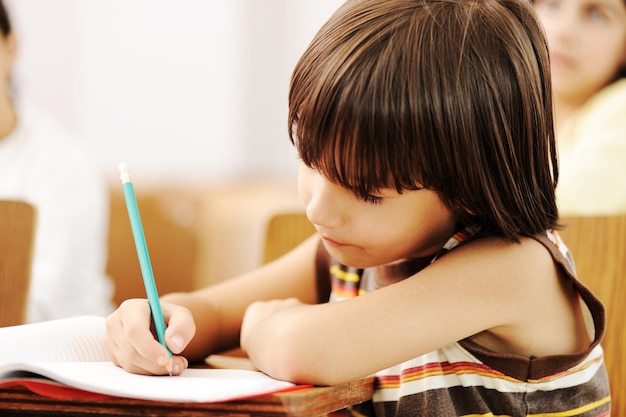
124	174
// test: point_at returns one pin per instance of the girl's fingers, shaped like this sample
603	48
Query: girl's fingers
132	345
181	327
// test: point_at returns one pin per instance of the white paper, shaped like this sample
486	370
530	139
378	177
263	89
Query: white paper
77	339
71	351
194	385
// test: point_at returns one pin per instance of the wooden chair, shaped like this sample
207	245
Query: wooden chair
284	232
17	236
172	245
598	244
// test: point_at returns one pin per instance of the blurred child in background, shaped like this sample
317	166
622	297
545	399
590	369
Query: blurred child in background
587	41
43	164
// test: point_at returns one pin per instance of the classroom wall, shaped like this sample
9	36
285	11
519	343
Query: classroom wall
191	91
192	94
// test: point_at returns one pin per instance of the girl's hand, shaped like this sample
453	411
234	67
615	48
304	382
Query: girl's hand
132	345
259	311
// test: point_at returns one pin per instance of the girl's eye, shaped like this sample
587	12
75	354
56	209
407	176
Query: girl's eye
371	199
596	14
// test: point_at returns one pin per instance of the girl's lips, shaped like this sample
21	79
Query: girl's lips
334	243
561	60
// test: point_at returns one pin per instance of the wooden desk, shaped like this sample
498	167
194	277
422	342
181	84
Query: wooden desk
306	402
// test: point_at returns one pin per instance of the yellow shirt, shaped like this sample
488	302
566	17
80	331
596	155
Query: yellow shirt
592	152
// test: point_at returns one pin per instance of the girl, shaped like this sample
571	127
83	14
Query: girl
587	40
428	169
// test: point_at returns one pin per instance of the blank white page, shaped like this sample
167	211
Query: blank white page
76	339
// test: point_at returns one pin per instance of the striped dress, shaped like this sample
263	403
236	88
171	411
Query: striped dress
466	379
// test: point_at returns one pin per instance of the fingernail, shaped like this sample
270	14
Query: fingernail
177	341
168	367
176	369
161	360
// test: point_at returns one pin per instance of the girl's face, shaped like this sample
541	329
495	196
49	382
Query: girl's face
587	40
7	58
378	229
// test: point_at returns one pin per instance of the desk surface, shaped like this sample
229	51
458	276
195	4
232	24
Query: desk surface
306	402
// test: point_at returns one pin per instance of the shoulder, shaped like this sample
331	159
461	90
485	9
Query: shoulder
526	288
500	271
605	109
613	93
55	151
46	132
496	252
593	160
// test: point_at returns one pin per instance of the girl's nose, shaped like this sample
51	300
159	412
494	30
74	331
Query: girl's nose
326	204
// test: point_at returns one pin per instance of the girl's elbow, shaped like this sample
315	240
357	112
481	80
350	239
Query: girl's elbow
296	359
285	349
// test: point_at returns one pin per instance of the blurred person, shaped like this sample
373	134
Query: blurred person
587	41
45	165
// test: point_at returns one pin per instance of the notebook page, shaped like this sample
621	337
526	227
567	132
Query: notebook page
194	385
76	339
71	351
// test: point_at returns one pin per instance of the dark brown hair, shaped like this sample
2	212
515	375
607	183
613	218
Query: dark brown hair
450	95
5	22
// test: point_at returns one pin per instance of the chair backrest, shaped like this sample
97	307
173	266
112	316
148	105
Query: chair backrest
172	245
598	244
17	236
284	232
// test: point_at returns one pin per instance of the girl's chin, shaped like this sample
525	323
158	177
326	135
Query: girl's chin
352	256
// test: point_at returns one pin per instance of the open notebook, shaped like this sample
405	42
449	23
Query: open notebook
70	354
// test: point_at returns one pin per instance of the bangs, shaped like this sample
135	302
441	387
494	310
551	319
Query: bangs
355	153
349	121
388	95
